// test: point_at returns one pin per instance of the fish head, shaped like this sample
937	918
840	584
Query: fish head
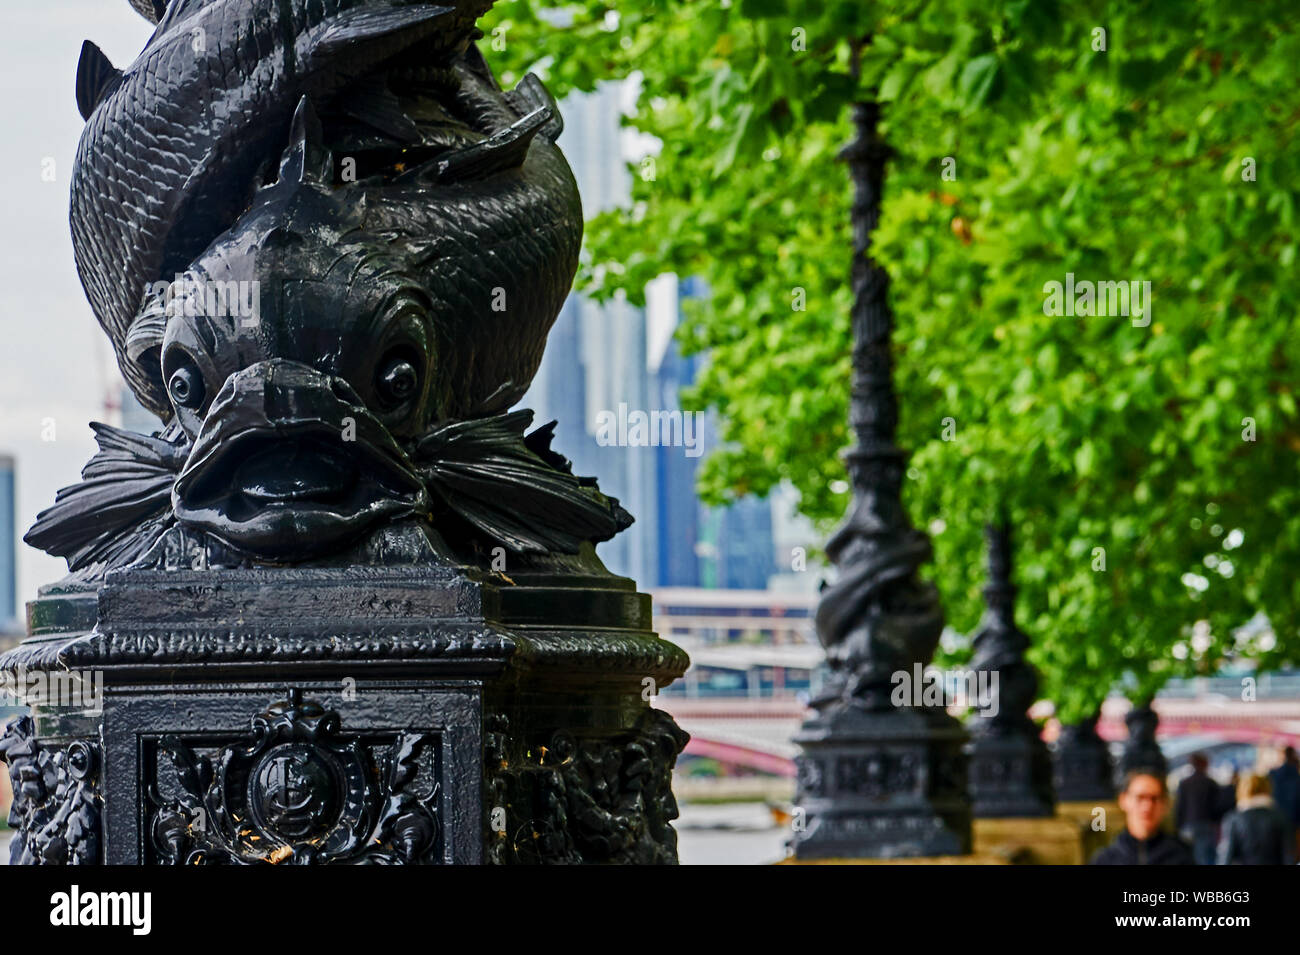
300	356
335	322
347	306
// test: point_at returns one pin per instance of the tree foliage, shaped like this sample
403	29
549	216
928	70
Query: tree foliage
1144	141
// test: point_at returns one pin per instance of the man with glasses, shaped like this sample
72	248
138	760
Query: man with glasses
1145	801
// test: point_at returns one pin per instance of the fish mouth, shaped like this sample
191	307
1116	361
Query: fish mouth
312	475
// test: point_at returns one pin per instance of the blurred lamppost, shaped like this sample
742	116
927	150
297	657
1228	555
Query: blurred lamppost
1083	770
879	774
1010	767
1141	751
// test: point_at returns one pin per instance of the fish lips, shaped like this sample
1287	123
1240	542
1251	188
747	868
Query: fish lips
287	487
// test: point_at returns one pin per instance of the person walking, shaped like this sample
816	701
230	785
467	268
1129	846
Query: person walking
1145	801
1257	833
1285	781
1198	807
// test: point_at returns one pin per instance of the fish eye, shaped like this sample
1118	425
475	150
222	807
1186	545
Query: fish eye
397	380
185	385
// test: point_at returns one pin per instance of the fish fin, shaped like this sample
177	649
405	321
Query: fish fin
473	59
166	449
531	94
362	25
373	103
504	149
95	74
490	475
123	500
539	441
306	159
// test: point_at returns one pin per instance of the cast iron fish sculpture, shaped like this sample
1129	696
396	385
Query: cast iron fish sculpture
372	381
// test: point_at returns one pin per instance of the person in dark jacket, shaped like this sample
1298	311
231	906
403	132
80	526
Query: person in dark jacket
1285	781
1145	801
1198	807
1257	833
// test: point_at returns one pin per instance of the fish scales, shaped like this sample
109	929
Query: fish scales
151	179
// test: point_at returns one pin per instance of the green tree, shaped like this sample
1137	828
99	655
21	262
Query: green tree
1149	468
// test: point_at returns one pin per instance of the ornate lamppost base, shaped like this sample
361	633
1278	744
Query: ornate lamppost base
881	784
416	712
1010	777
1082	765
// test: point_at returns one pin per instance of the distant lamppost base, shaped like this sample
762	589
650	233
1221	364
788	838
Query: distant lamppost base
1082	766
881	785
1010	777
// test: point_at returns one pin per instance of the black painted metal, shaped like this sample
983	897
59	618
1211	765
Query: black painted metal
1083	770
1010	768
875	779
343	608
1141	751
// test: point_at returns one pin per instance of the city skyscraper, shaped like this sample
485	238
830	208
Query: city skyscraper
603	358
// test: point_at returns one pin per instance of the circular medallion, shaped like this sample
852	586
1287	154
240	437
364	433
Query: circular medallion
295	791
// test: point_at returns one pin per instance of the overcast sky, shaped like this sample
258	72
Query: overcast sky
54	359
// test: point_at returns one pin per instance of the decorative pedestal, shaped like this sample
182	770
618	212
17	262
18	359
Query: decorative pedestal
885	785
1010	777
1082	770
417	713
